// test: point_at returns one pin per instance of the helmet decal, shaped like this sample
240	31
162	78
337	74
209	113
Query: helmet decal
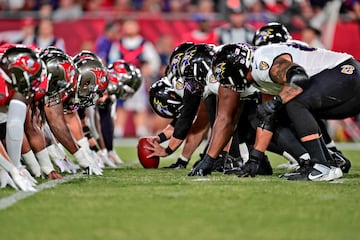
219	71
100	76
186	58
161	107
27	64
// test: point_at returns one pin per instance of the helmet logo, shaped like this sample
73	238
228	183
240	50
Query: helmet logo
119	67
69	71
175	61
219	71
162	108
187	57
27	64
100	77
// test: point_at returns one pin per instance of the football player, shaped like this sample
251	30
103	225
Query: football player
301	79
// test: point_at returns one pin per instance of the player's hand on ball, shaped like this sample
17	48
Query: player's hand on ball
156	149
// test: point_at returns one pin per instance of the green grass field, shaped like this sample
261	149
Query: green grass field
137	203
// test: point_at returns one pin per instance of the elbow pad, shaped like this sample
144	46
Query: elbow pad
297	75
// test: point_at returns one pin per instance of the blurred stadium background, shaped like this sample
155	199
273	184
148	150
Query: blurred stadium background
80	23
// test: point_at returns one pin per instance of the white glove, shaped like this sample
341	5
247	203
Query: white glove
115	158
82	157
71	165
22	181
103	154
23	171
95	163
62	165
87	162
5	180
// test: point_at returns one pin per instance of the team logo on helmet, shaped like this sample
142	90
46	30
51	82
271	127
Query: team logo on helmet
219	71
162	108
69	71
187	57
101	79
27	64
175	61
263	65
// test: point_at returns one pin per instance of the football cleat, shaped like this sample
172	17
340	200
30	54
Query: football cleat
340	161
180	164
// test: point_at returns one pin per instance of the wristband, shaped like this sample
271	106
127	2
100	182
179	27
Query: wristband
162	137
168	150
256	154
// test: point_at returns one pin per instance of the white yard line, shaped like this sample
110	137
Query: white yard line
14	198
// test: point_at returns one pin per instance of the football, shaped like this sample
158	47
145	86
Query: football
142	152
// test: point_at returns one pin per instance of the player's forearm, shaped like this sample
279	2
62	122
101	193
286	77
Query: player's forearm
222	132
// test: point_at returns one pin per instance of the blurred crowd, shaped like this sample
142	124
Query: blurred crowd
311	21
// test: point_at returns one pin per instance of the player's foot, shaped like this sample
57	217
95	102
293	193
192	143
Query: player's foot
340	160
180	164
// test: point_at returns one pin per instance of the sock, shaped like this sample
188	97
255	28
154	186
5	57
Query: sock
182	158
44	161
32	163
315	150
15	130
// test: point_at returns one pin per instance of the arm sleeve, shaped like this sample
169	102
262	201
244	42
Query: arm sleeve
183	124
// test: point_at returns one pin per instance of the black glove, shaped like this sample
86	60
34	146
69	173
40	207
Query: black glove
252	165
219	162
204	167
267	113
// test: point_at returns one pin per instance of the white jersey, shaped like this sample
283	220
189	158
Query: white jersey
313	60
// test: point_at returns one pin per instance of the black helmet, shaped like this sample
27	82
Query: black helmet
61	74
272	32
127	77
24	67
175	58
85	54
164	100
231	63
196	62
92	81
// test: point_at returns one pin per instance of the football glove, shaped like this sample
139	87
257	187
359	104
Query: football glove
267	113
204	167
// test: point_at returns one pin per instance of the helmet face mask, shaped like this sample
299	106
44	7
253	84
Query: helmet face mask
163	99
271	33
92	81
231	65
